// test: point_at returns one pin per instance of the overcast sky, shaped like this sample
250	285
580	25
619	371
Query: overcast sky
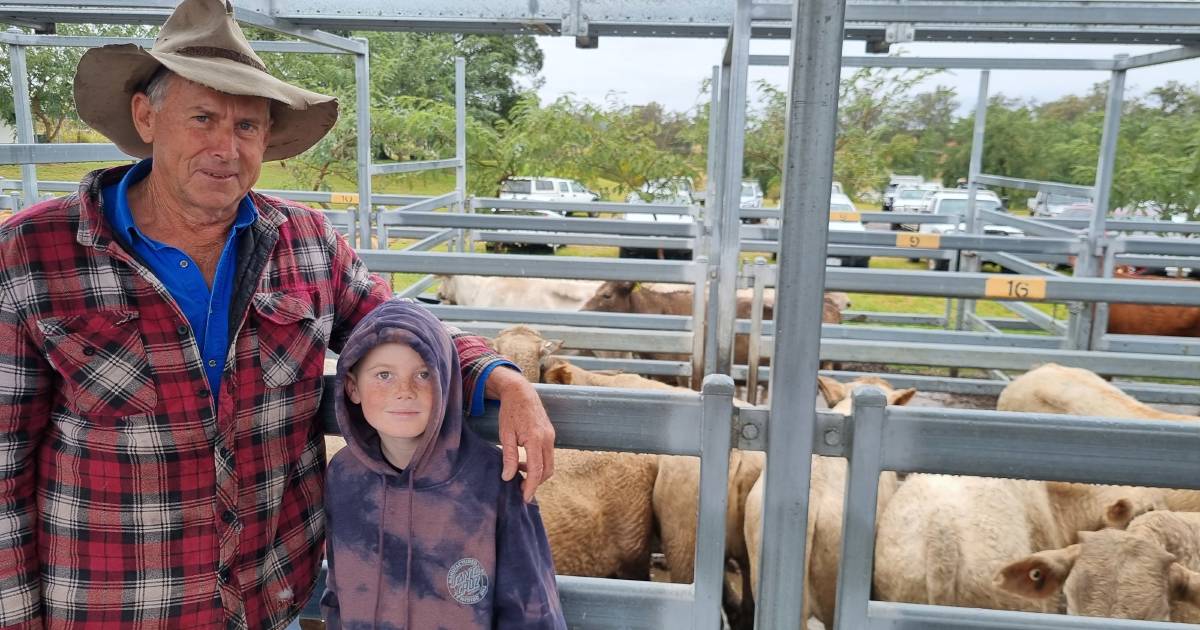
670	70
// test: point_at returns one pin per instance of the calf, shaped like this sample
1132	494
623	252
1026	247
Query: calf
1155	319
1147	572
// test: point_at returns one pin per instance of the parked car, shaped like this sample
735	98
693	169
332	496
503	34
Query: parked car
752	194
1046	204
676	191
954	202
546	189
896	182
839	205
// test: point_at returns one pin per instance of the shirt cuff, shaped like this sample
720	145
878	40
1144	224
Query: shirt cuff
481	384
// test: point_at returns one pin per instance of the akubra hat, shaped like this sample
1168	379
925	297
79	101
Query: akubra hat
200	42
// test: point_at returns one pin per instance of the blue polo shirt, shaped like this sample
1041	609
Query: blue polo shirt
206	308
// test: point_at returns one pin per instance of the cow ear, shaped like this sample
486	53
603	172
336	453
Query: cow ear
1184	584
833	391
1039	576
1118	514
901	397
557	375
625	288
550	346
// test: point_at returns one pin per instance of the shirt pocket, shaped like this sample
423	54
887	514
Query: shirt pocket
103	364
291	346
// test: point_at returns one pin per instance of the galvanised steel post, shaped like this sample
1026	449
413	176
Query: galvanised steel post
362	84
817	27
858	524
25	135
460	142
714	210
729	188
970	262
705	346
1104	175
1112	247
715	440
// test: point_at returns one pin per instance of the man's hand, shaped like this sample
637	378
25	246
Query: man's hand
523	422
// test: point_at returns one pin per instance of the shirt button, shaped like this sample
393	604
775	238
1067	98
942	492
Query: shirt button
89	351
224	574
212	363
182	330
183	264
202	393
228	516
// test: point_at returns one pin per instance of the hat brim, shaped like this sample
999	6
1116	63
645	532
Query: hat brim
108	77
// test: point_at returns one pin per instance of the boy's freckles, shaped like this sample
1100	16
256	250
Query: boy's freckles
395	389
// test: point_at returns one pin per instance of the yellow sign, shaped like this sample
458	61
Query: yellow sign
343	198
852	217
1015	288
923	241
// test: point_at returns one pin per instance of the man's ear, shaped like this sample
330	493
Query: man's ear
143	116
1184	584
352	389
1039	576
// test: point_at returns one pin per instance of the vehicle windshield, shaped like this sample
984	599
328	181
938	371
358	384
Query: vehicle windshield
515	186
960	205
836	206
912	193
748	190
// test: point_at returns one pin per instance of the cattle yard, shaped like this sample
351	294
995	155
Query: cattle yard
874	437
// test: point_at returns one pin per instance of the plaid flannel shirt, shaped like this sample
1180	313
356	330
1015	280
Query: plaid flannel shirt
125	501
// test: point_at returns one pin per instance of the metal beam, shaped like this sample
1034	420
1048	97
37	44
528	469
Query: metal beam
532	266
391	168
61	153
516	222
893	616
955	63
78	41
1036	185
1156	58
583	206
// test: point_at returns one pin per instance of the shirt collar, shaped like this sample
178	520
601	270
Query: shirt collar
122	219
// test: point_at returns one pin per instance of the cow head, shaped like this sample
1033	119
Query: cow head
612	297
1109	573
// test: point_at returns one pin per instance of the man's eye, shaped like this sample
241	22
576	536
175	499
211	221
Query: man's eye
247	126
200	118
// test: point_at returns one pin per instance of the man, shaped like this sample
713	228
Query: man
162	337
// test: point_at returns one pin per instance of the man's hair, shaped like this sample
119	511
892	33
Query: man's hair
156	87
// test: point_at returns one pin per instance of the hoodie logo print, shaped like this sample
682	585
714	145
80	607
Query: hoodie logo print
467	581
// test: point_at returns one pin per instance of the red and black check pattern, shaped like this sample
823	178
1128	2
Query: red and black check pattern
126	501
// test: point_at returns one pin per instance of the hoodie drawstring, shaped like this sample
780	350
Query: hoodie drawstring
408	560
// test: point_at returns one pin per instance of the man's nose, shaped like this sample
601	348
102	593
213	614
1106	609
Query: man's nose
223	143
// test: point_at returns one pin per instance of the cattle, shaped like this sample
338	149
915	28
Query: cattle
1053	388
1148	571
942	539
633	297
1155	319
597	513
526	347
522	293
825	507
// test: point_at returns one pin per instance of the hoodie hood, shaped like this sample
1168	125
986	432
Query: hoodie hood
408	323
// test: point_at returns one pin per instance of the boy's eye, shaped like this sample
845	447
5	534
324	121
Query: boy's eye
384	376
424	375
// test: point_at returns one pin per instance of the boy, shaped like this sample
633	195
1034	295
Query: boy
421	532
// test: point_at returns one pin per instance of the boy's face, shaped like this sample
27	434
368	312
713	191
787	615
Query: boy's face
395	389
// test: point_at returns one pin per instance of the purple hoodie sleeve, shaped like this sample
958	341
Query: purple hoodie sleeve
526	594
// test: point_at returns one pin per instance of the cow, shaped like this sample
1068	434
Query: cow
825	506
1149	571
525	347
523	293
1154	319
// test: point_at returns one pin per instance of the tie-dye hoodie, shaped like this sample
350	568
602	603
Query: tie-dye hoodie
443	543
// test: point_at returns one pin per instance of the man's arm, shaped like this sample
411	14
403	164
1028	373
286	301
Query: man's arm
24	413
523	419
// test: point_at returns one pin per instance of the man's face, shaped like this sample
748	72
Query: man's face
207	145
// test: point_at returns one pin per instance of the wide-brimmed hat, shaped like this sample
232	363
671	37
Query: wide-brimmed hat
200	42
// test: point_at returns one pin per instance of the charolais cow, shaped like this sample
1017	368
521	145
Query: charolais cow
526	347
1150	571
523	293
822	550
